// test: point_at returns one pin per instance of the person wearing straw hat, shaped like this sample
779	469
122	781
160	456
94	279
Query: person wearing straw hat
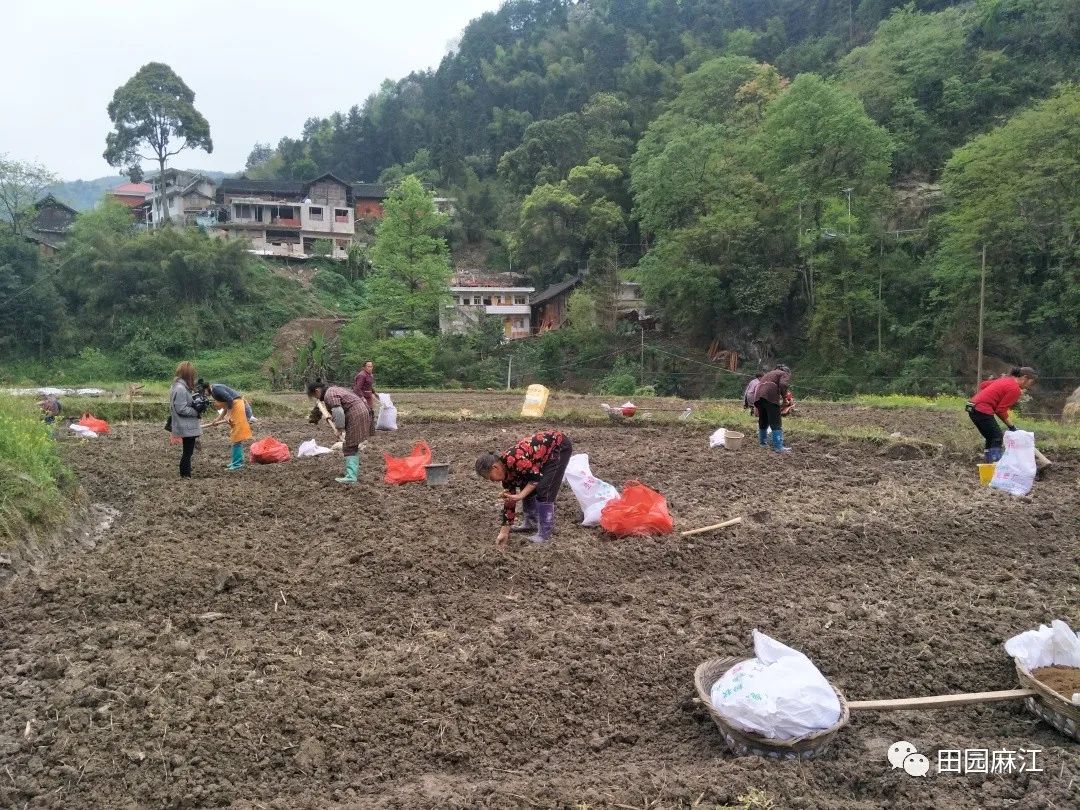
531	473
771	393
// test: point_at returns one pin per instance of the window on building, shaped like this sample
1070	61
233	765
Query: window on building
487	301
315	213
476	300
520	299
341	214
519	323
243	211
343	244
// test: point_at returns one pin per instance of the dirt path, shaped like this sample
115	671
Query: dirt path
270	640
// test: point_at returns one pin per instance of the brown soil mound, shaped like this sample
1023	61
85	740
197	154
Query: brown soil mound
1063	680
268	639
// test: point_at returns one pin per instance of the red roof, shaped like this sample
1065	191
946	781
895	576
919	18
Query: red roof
132	189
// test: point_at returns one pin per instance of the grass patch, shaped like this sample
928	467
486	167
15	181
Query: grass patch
32	478
939	403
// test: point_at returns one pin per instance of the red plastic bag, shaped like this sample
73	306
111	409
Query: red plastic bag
639	510
269	451
410	468
99	426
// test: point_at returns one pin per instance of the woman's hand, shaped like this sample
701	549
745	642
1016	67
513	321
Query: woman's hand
503	538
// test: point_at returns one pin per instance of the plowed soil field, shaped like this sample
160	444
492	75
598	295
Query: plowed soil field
269	639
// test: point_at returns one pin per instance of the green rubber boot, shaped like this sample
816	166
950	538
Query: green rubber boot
237	457
352	469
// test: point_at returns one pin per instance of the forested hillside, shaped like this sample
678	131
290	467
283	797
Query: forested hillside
811	180
714	149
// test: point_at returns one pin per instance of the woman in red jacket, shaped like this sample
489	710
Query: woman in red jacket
994	398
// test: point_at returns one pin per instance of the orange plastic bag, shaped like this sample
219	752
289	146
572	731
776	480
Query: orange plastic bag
269	451
639	510
410	468
99	426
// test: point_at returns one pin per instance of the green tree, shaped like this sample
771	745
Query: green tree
822	156
575	221
21	185
719	260
1016	191
260	153
404	361
31	311
581	311
154	111
411	274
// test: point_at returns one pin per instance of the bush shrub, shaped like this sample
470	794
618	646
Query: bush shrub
31	474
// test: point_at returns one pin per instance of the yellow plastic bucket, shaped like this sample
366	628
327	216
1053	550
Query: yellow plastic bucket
986	472
536	397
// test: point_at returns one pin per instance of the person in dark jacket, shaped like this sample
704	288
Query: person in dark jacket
222	393
995	398
770	395
185	417
350	413
364	385
531	473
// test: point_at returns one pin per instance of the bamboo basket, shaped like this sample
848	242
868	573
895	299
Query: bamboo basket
1051	706
742	743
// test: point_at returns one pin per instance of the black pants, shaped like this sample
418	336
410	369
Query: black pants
988	426
553	471
185	458
768	415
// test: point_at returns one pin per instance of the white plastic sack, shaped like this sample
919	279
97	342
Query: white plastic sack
387	414
1056	645
591	493
83	432
719	438
1015	472
779	694
311	448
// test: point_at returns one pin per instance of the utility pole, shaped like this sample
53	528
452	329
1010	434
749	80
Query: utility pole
509	368
880	307
982	309
641	363
848	191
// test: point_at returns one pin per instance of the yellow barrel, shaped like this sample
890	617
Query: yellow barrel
986	472
536	397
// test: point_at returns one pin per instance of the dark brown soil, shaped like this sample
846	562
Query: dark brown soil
268	639
1063	680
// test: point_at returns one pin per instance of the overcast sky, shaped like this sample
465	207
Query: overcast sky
258	68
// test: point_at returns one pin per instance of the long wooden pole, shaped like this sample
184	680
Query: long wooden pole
982	310
939	701
715	526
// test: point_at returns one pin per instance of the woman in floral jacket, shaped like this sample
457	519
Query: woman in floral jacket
530	472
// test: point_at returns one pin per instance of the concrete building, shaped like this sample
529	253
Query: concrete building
295	219
184	196
500	295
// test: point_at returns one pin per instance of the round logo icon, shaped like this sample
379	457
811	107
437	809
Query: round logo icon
898	751
916	765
